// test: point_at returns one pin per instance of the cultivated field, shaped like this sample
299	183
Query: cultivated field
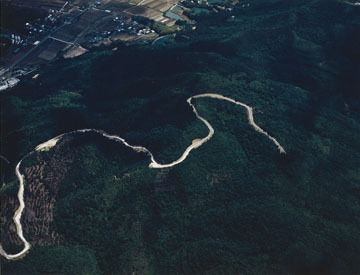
89	23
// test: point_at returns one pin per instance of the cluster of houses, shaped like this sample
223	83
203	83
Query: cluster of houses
42	25
51	17
132	27
36	28
16	39
123	26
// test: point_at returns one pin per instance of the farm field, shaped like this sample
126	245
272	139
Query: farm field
82	22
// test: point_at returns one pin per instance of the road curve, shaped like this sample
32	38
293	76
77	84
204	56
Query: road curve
153	164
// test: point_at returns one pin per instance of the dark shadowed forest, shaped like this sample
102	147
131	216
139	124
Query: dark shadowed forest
235	206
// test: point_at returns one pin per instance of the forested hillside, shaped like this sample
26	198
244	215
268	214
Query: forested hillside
235	206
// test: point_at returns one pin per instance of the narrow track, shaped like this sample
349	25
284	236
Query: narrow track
153	164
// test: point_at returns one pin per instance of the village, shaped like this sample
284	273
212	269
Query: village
71	28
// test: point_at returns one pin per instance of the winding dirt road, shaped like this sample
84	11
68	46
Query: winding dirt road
153	164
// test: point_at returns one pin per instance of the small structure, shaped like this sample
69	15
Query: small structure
8	83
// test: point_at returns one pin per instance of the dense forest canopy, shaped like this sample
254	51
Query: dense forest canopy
235	205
